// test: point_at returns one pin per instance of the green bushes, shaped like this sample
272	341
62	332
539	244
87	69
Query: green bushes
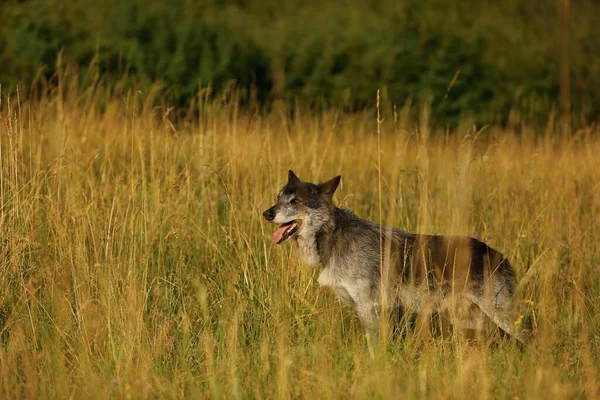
482	59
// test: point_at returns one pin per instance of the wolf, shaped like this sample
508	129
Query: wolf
375	268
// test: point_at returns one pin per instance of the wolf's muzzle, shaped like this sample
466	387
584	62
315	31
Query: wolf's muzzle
269	214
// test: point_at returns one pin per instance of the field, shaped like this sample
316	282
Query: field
135	263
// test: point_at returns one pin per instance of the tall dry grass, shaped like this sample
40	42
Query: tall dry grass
134	261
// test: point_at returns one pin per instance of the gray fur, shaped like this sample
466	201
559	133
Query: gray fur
456	275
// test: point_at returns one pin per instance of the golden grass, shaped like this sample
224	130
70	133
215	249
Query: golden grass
134	261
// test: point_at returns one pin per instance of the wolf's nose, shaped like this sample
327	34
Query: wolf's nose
269	214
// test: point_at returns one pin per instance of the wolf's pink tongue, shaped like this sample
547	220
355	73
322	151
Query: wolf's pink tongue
279	233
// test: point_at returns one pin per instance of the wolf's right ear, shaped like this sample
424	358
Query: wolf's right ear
292	178
328	188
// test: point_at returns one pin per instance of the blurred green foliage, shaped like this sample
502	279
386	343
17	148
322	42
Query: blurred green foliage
490	60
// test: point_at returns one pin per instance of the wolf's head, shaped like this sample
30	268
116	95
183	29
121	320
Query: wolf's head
301	207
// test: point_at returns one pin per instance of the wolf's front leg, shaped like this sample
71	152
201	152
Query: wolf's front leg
368	315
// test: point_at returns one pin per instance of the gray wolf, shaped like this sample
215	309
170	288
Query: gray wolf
375	268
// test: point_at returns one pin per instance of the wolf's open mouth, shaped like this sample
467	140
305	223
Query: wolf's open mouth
286	231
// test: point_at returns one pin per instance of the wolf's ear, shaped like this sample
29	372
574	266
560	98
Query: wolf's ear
328	188
292	178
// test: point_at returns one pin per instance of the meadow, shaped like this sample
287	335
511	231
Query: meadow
135	263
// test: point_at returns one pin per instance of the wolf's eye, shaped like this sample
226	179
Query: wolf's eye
293	201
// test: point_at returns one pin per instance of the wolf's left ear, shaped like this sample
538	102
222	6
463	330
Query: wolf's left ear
328	188
292	178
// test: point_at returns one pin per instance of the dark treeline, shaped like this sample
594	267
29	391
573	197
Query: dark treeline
492	61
